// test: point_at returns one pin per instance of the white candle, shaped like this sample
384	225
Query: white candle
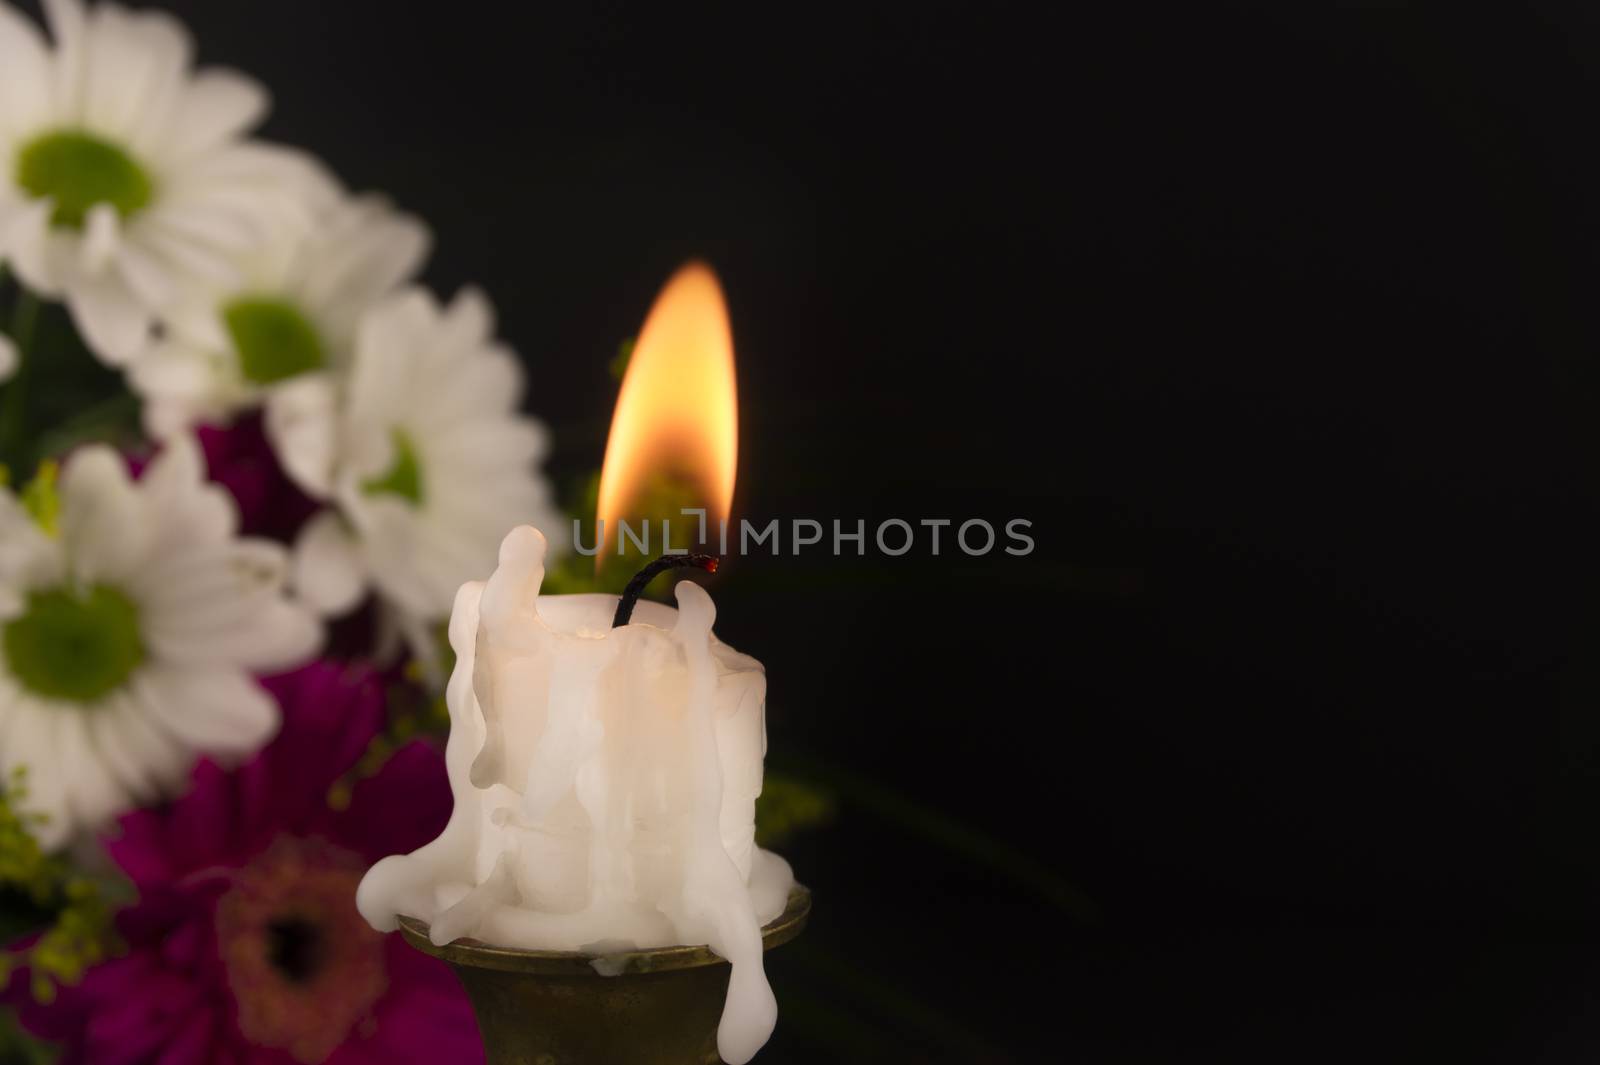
605	784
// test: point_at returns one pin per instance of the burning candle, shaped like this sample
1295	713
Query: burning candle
605	777
675	433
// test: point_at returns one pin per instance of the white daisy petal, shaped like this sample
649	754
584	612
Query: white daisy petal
216	106
490	384
391	340
143	760
283	634
199	264
220	711
277	636
95	795
30	744
134	59
171	54
24	74
328	572
29	558
149	278
220	232
177	390
25	245
113	322
103	526
67	23
189	512
212	584
301	424
467	323
222	605
369	250
101	236
389	543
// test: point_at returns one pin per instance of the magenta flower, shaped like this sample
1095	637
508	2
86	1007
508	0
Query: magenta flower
240	458
245	946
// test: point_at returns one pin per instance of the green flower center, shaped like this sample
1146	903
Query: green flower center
273	339
74	647
78	170
404	478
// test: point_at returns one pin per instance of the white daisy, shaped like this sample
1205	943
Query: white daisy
125	177
130	622
423	453
295	311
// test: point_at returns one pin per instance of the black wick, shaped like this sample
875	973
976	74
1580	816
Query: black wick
635	588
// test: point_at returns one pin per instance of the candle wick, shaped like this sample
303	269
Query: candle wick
636	586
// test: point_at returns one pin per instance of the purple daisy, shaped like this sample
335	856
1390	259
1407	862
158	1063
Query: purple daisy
245	946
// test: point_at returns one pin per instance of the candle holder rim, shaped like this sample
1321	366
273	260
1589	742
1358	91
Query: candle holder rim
471	952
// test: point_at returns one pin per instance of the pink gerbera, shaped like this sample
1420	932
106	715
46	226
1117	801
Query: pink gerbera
245	946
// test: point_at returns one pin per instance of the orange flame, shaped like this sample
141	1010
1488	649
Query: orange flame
677	414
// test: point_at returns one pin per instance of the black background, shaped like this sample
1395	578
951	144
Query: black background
1276	320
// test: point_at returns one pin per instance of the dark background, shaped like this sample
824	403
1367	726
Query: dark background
1276	320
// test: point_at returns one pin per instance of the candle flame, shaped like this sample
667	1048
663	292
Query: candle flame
677	417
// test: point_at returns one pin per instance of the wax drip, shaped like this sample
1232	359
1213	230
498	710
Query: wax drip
636	586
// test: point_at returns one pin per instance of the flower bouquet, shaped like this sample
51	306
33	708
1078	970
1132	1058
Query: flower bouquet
248	462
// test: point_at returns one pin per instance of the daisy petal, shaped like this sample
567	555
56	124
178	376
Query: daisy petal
467	322
300	422
29	557
328	572
103	523
283	635
68	27
147	276
24	73
143	759
370	250
133	60
217	106
93	794
220	712
25	244
225	606
30	744
113	322
189	511
101	237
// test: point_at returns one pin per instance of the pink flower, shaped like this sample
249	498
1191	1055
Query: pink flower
239	458
245	946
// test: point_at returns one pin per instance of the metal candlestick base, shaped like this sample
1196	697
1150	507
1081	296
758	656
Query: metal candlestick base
544	1007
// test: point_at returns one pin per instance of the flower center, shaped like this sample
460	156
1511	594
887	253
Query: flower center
78	170
404	477
296	948
273	339
305	969
76	647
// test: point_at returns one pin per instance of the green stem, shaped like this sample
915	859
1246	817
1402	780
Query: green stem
14	402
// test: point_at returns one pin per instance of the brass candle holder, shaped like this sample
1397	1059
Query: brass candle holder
545	1007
